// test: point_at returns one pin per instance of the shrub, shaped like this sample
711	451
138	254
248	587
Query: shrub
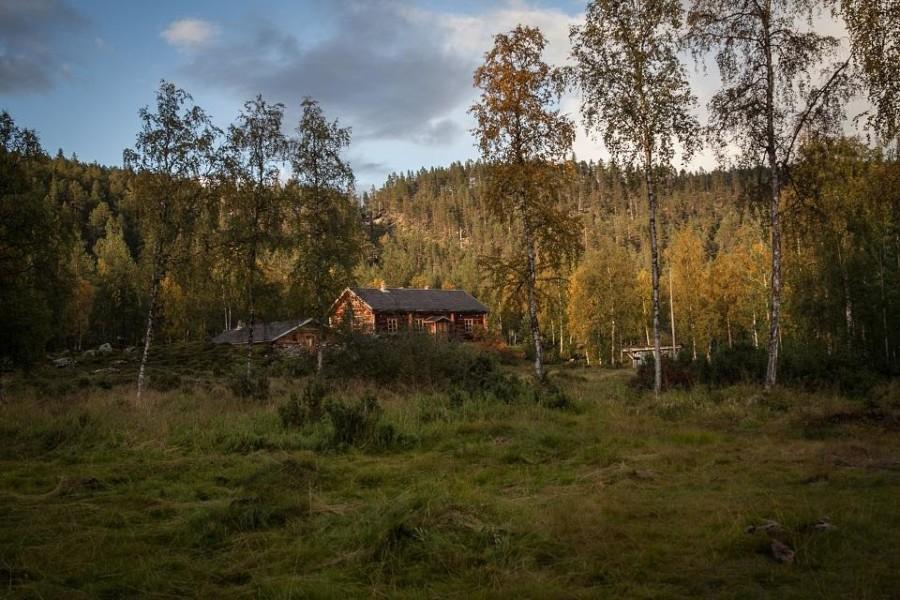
549	395
254	386
293	365
163	381
812	368
354	424
306	408
676	374
728	366
411	359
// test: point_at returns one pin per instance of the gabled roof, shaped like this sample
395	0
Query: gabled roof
262	332
419	300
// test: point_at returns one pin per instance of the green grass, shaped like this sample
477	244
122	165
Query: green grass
625	495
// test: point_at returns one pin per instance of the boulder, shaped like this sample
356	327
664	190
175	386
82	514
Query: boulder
89	353
105	348
64	362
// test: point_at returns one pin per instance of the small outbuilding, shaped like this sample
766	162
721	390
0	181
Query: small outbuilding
302	333
641	354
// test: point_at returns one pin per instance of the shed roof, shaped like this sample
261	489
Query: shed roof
262	332
419	300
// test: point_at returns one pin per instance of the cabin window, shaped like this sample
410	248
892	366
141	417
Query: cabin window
419	324
392	325
469	324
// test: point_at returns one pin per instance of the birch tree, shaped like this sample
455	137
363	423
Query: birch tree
256	149
326	221
172	158
779	79
874	28
524	138
635	95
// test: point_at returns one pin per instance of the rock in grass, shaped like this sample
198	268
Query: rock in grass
782	552
768	526
64	362
105	348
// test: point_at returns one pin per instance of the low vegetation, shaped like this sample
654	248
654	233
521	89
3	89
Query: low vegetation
355	487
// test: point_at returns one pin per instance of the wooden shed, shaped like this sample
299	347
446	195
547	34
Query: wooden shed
296	333
641	354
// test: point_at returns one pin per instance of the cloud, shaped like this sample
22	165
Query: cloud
382	68
189	33
30	34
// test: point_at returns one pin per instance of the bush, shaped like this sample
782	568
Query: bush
741	364
676	374
549	395
354	424
814	369
306	408
163	381
410	359
807	367
293	365
255	386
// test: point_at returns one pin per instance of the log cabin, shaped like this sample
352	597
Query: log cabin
452	313
296	333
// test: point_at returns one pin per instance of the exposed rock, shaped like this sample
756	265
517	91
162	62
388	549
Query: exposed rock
105	348
89	353
768	526
64	362
128	350
782	552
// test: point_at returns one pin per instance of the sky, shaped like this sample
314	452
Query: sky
399	73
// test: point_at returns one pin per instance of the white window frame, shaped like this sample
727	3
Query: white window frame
469	324
393	324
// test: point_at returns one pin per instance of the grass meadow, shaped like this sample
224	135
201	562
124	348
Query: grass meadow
619	494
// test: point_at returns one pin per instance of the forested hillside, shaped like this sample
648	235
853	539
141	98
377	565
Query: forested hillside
841	254
87	281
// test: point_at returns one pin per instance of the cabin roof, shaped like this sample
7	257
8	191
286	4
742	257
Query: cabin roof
419	300
262	332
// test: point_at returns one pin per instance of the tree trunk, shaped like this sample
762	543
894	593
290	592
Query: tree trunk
775	215
848	302
252	309
532	300
884	323
612	343
646	329
320	352
728	327
755	334
654	260
148	334
672	309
